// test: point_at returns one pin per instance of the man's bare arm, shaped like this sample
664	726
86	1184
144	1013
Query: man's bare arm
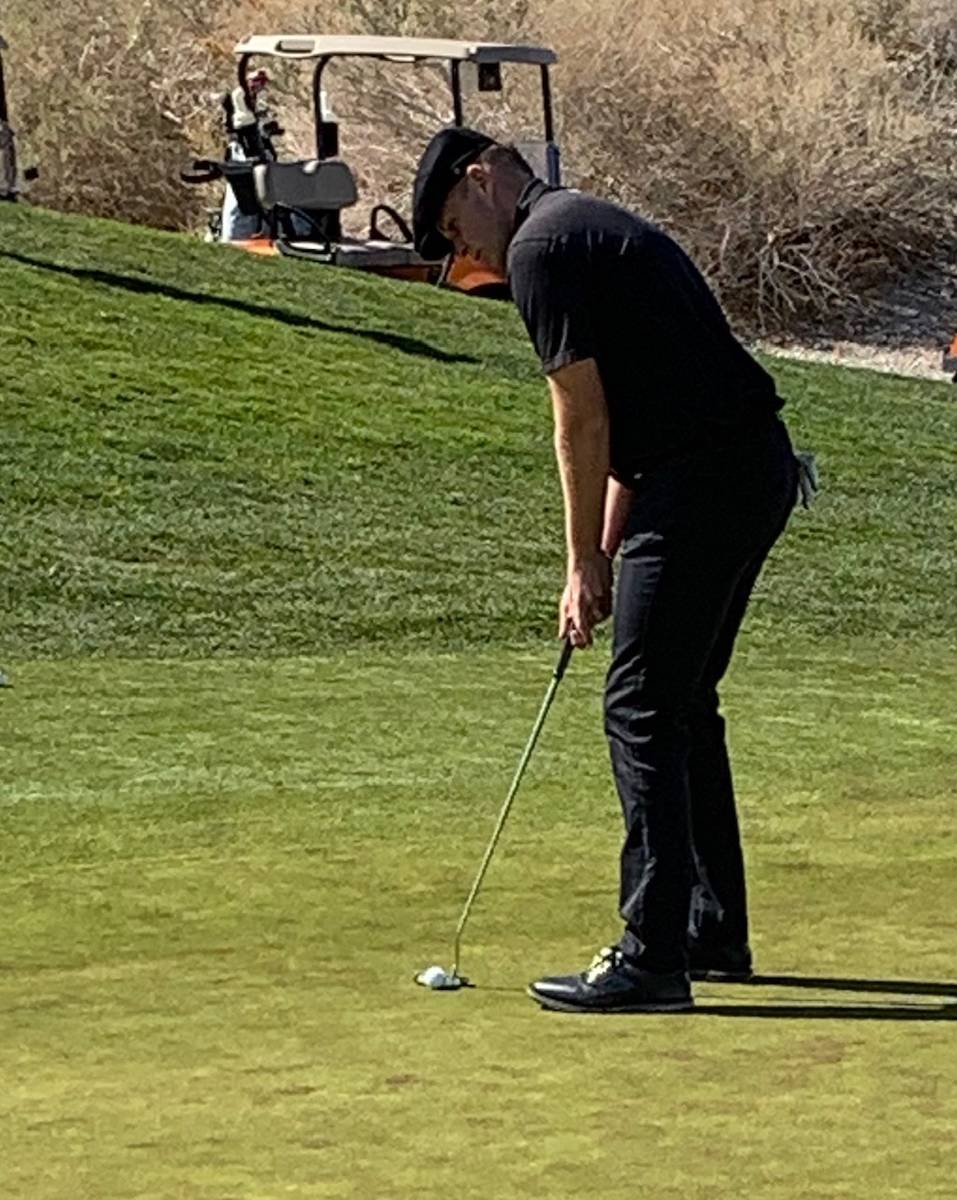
581	448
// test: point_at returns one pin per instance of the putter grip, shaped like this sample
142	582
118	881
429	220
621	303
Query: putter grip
565	659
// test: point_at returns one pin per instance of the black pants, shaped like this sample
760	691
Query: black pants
697	537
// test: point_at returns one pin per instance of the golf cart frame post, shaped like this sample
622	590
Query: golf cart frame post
4	116
409	50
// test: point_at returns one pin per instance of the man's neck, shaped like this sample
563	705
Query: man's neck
530	192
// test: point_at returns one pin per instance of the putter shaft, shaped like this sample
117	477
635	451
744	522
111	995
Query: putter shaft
503	815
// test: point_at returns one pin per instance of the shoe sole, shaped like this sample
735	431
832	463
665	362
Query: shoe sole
722	976
663	1006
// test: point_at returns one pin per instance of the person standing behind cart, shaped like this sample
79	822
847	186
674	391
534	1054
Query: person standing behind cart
250	132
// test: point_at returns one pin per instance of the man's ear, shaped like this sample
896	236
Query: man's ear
478	173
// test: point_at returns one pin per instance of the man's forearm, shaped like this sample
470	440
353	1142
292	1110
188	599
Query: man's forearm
581	448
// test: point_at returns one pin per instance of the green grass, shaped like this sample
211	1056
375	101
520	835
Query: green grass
277	603
191	476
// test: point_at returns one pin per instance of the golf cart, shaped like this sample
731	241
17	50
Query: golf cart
9	179
299	202
950	359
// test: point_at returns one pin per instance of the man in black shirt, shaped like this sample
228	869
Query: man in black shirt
670	449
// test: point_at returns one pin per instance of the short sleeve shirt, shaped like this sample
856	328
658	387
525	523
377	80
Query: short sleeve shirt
592	280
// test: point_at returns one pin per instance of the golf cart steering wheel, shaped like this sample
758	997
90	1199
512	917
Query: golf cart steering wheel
376	234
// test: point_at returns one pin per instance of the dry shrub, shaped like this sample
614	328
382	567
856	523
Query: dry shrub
799	163
909	30
802	149
105	96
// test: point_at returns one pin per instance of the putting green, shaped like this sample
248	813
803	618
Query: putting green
220	878
222	863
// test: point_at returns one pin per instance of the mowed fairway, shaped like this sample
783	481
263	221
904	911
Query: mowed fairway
280	550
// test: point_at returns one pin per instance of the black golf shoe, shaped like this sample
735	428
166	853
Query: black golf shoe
613	985
719	964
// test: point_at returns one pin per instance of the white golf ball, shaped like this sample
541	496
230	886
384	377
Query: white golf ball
433	977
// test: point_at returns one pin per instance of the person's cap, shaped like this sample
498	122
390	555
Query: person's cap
441	166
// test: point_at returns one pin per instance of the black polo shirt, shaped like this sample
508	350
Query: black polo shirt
593	280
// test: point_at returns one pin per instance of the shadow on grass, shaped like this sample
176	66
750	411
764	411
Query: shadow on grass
153	287
904	987
833	1012
866	1011
862	1011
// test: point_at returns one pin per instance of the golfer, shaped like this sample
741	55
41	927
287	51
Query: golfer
671	451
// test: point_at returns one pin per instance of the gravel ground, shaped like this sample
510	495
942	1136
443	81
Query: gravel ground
919	362
903	331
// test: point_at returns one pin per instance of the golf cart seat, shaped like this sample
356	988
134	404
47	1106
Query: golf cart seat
304	198
310	185
317	188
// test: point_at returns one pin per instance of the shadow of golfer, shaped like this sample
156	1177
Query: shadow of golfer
904	987
824	1010
831	1012
868	1010
154	287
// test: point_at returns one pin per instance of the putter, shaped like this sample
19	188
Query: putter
450	981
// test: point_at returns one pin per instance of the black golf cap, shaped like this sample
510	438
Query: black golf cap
441	166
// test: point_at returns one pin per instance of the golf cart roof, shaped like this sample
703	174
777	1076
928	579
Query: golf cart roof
396	49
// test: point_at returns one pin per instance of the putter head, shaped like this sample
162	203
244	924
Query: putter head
441	981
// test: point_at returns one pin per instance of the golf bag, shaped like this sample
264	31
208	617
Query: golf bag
250	134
